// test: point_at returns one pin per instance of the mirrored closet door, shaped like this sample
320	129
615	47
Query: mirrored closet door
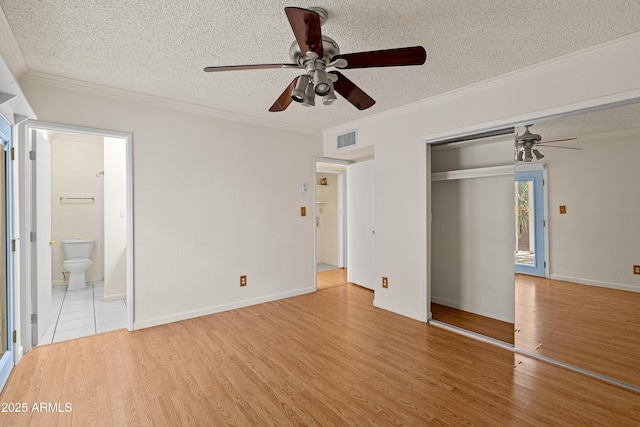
583	307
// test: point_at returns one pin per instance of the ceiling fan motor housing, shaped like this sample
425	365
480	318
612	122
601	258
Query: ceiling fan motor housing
329	46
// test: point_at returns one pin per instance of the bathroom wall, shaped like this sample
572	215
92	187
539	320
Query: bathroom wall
115	219
75	161
327	212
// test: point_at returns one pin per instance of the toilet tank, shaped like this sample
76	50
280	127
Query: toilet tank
78	248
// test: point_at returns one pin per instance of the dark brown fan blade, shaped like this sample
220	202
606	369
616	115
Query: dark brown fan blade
385	58
555	140
306	27
284	100
250	67
351	92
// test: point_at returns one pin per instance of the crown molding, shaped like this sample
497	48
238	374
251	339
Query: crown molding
38	77
486	84
9	49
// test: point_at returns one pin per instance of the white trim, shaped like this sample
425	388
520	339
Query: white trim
24	179
530	167
128	137
156	101
342	220
545	192
331	160
472	173
9	49
488	83
604	102
115	297
589	282
219	308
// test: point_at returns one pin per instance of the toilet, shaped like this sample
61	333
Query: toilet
77	260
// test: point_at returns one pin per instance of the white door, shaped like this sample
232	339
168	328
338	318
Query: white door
361	224
41	226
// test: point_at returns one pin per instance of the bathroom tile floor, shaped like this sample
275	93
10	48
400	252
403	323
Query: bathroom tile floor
83	312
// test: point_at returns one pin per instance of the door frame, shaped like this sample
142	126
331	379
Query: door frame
7	359
342	222
540	167
25	208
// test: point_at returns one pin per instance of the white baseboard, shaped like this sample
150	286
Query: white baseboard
115	297
399	310
459	306
218	309
65	282
589	282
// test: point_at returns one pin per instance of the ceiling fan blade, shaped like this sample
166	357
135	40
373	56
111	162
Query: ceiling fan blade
415	55
558	146
250	67
351	92
555	140
306	27
284	99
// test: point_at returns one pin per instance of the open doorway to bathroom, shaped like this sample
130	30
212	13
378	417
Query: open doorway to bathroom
79	208
330	217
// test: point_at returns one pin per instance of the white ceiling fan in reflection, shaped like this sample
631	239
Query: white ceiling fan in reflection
528	143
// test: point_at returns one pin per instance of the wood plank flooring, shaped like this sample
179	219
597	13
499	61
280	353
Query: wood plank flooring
325	358
331	278
503	331
593	328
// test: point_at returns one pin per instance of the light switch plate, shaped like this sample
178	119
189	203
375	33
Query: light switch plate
303	211
563	209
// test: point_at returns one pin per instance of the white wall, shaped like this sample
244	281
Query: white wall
115	224
213	200
472	236
596	241
75	161
327	212
597	76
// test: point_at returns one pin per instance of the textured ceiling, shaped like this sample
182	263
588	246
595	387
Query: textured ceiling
160	47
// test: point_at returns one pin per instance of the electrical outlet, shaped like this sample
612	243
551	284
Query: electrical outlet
303	211
385	282
243	280
636	269
563	209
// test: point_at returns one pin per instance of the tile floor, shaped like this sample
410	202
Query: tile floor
321	266
83	312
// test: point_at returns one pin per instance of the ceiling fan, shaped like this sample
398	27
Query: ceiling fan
527	143
315	53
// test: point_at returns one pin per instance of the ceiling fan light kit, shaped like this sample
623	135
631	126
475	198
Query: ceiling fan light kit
527	142
315	53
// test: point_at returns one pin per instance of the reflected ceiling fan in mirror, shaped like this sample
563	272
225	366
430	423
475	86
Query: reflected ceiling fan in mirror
315	53
527	145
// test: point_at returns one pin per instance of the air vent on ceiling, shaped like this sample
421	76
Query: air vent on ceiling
347	139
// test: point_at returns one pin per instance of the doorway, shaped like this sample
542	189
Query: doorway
330	222
76	185
529	255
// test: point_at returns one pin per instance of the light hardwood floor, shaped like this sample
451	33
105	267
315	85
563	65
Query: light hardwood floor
331	278
325	358
503	331
593	328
